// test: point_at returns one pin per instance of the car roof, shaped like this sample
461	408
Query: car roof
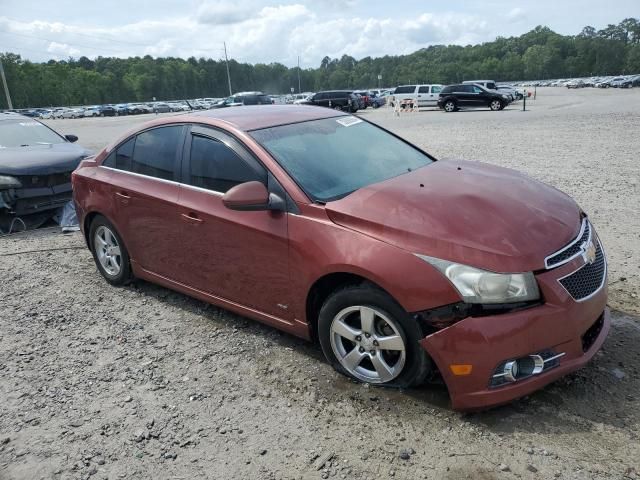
255	117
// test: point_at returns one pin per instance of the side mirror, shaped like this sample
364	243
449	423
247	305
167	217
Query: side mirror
71	138
252	196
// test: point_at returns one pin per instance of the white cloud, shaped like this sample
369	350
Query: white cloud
254	33
62	50
516	14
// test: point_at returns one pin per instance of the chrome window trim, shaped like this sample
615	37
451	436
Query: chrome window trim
602	283
201	189
569	245
172	182
164	180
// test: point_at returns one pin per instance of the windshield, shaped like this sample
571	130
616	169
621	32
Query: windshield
332	157
26	132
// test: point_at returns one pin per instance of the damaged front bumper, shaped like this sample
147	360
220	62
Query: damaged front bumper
510	355
35	202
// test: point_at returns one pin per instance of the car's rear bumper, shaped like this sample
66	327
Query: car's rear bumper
558	326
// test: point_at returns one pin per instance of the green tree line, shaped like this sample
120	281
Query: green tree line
538	54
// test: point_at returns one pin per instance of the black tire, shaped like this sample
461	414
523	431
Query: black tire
496	105
417	365
450	106
124	275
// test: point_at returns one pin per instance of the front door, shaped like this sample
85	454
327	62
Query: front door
240	256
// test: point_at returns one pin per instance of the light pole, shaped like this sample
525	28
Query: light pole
227	62
6	87
299	90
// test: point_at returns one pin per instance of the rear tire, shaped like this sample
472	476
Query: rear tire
354	326
109	252
450	106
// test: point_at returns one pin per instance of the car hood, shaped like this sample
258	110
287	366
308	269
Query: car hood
468	212
41	159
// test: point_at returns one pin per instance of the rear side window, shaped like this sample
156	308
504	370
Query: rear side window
436	89
156	151
423	90
447	90
121	157
217	167
406	89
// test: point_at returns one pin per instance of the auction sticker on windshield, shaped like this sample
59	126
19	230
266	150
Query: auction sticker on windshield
348	121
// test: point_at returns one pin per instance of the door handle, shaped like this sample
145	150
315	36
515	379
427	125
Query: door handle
123	197
191	218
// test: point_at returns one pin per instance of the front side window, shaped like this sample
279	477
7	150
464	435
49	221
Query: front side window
477	89
217	167
332	157
156	151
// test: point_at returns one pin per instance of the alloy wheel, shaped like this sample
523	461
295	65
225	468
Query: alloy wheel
495	105
449	106
108	250
368	344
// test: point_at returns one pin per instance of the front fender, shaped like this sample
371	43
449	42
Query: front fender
319	247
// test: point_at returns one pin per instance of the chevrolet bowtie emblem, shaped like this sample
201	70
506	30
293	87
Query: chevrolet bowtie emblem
589	252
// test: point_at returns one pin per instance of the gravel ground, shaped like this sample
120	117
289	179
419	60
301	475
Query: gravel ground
142	382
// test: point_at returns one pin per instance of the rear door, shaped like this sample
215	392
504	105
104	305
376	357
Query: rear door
145	189
240	256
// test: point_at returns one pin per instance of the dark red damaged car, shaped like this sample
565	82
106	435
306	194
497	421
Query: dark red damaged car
400	265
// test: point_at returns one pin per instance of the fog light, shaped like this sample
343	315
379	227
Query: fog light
511	370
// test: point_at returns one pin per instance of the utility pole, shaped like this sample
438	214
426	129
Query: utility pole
299	90
6	88
227	62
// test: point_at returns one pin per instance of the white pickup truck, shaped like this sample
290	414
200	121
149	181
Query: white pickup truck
426	95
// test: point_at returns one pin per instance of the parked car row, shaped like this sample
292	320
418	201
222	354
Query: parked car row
114	110
620	81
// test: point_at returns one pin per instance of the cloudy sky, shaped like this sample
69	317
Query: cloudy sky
280	30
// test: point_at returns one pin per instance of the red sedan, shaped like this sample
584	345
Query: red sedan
400	265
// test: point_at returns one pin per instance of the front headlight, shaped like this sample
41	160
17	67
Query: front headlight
506	97
7	182
481	286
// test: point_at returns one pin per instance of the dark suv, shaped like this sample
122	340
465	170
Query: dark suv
453	97
339	99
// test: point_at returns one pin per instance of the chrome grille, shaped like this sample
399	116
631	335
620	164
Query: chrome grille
573	249
586	281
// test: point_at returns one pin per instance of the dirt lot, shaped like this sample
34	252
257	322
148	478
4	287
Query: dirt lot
141	382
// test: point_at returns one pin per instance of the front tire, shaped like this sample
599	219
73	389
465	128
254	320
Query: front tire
109	252
367	336
496	105
450	106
